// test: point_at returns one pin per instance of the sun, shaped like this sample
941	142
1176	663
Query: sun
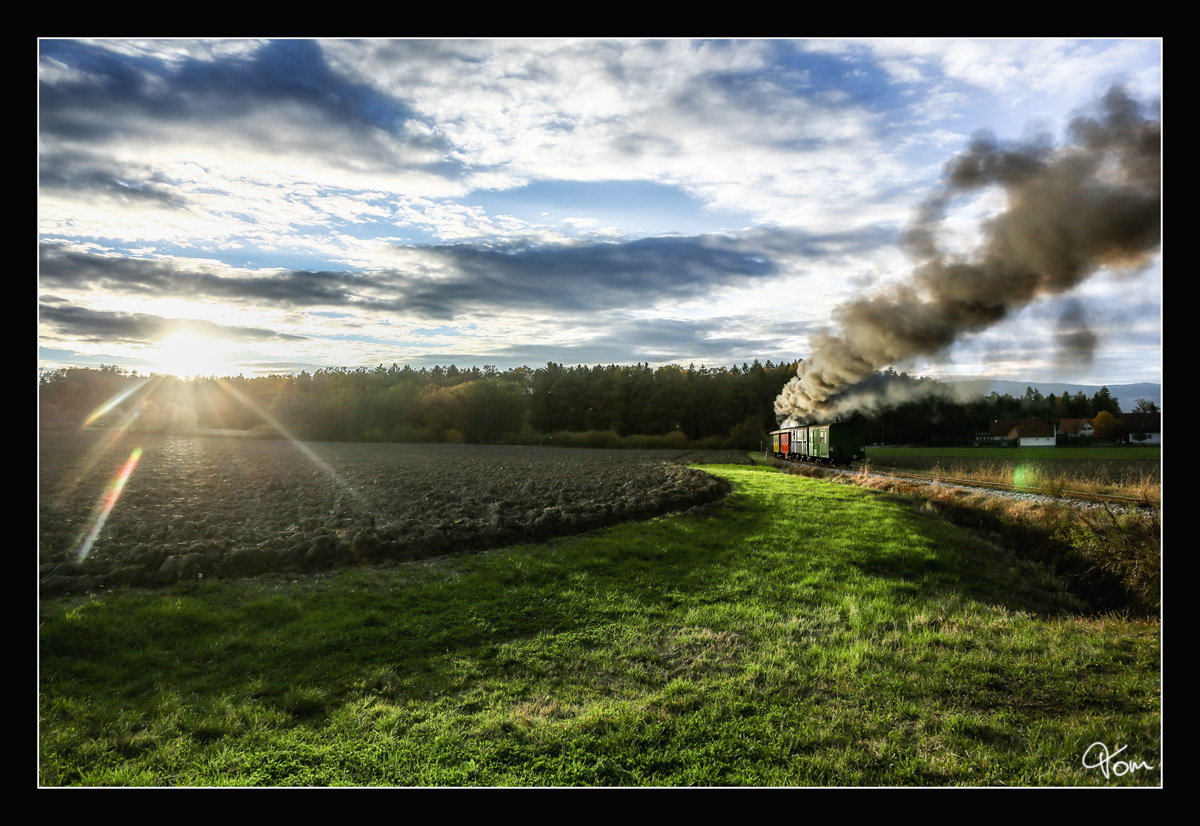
188	354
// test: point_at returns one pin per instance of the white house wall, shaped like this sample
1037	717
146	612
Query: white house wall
1037	441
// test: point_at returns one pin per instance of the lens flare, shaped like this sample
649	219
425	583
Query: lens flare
299	445
112	403
142	389
1025	477
115	487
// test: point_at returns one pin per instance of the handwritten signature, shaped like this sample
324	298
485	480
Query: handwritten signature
1106	764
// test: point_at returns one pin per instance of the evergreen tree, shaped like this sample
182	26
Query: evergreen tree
1104	402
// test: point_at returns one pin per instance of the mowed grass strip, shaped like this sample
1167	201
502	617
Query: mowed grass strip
798	633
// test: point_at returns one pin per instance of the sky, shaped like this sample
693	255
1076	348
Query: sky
216	207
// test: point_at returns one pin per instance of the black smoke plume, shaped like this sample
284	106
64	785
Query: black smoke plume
1071	211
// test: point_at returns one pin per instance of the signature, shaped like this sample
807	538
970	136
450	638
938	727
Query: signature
1107	765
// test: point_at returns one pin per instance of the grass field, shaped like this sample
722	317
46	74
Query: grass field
801	632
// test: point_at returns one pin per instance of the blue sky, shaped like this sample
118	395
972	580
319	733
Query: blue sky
253	206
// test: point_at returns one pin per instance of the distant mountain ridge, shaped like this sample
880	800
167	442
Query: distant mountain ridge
1126	394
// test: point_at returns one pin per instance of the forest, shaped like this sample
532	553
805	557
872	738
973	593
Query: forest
602	406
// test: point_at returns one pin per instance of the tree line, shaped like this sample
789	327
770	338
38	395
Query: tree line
718	406
729	407
934	412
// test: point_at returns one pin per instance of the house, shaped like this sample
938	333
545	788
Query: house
991	437
997	433
1022	432
1076	428
1138	423
1035	434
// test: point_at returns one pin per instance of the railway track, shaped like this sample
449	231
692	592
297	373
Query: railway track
1024	491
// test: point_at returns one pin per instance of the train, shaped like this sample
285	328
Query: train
837	443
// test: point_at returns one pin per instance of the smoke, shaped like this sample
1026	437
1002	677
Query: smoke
878	392
1070	211
1075	338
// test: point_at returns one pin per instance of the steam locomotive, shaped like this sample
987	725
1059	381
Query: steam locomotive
839	443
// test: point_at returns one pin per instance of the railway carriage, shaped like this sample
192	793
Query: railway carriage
839	443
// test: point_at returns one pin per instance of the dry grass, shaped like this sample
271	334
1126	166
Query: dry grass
1136	479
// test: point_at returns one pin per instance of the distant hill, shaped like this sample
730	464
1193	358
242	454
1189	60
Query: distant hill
1126	394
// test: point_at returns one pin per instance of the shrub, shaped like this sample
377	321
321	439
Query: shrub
1126	546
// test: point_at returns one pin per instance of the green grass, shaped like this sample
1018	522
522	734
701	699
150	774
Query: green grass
800	633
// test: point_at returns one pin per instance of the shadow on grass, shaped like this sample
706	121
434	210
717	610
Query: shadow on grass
943	558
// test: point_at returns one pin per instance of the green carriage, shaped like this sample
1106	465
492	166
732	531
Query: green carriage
837	443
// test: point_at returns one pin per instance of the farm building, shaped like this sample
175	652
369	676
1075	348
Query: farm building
1036	434
1021	432
1148	424
1076	428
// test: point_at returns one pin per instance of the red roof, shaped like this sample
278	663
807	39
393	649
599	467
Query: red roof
1072	426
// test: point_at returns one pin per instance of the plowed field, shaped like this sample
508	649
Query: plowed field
219	507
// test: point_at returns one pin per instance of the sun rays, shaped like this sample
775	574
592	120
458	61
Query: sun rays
132	411
188	354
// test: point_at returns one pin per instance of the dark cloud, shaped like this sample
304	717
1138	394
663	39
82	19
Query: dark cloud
815	92
447	282
468	279
83	172
576	277
580	277
90	102
111	94
115	327
65	268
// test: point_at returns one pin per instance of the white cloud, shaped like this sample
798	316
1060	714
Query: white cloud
397	145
